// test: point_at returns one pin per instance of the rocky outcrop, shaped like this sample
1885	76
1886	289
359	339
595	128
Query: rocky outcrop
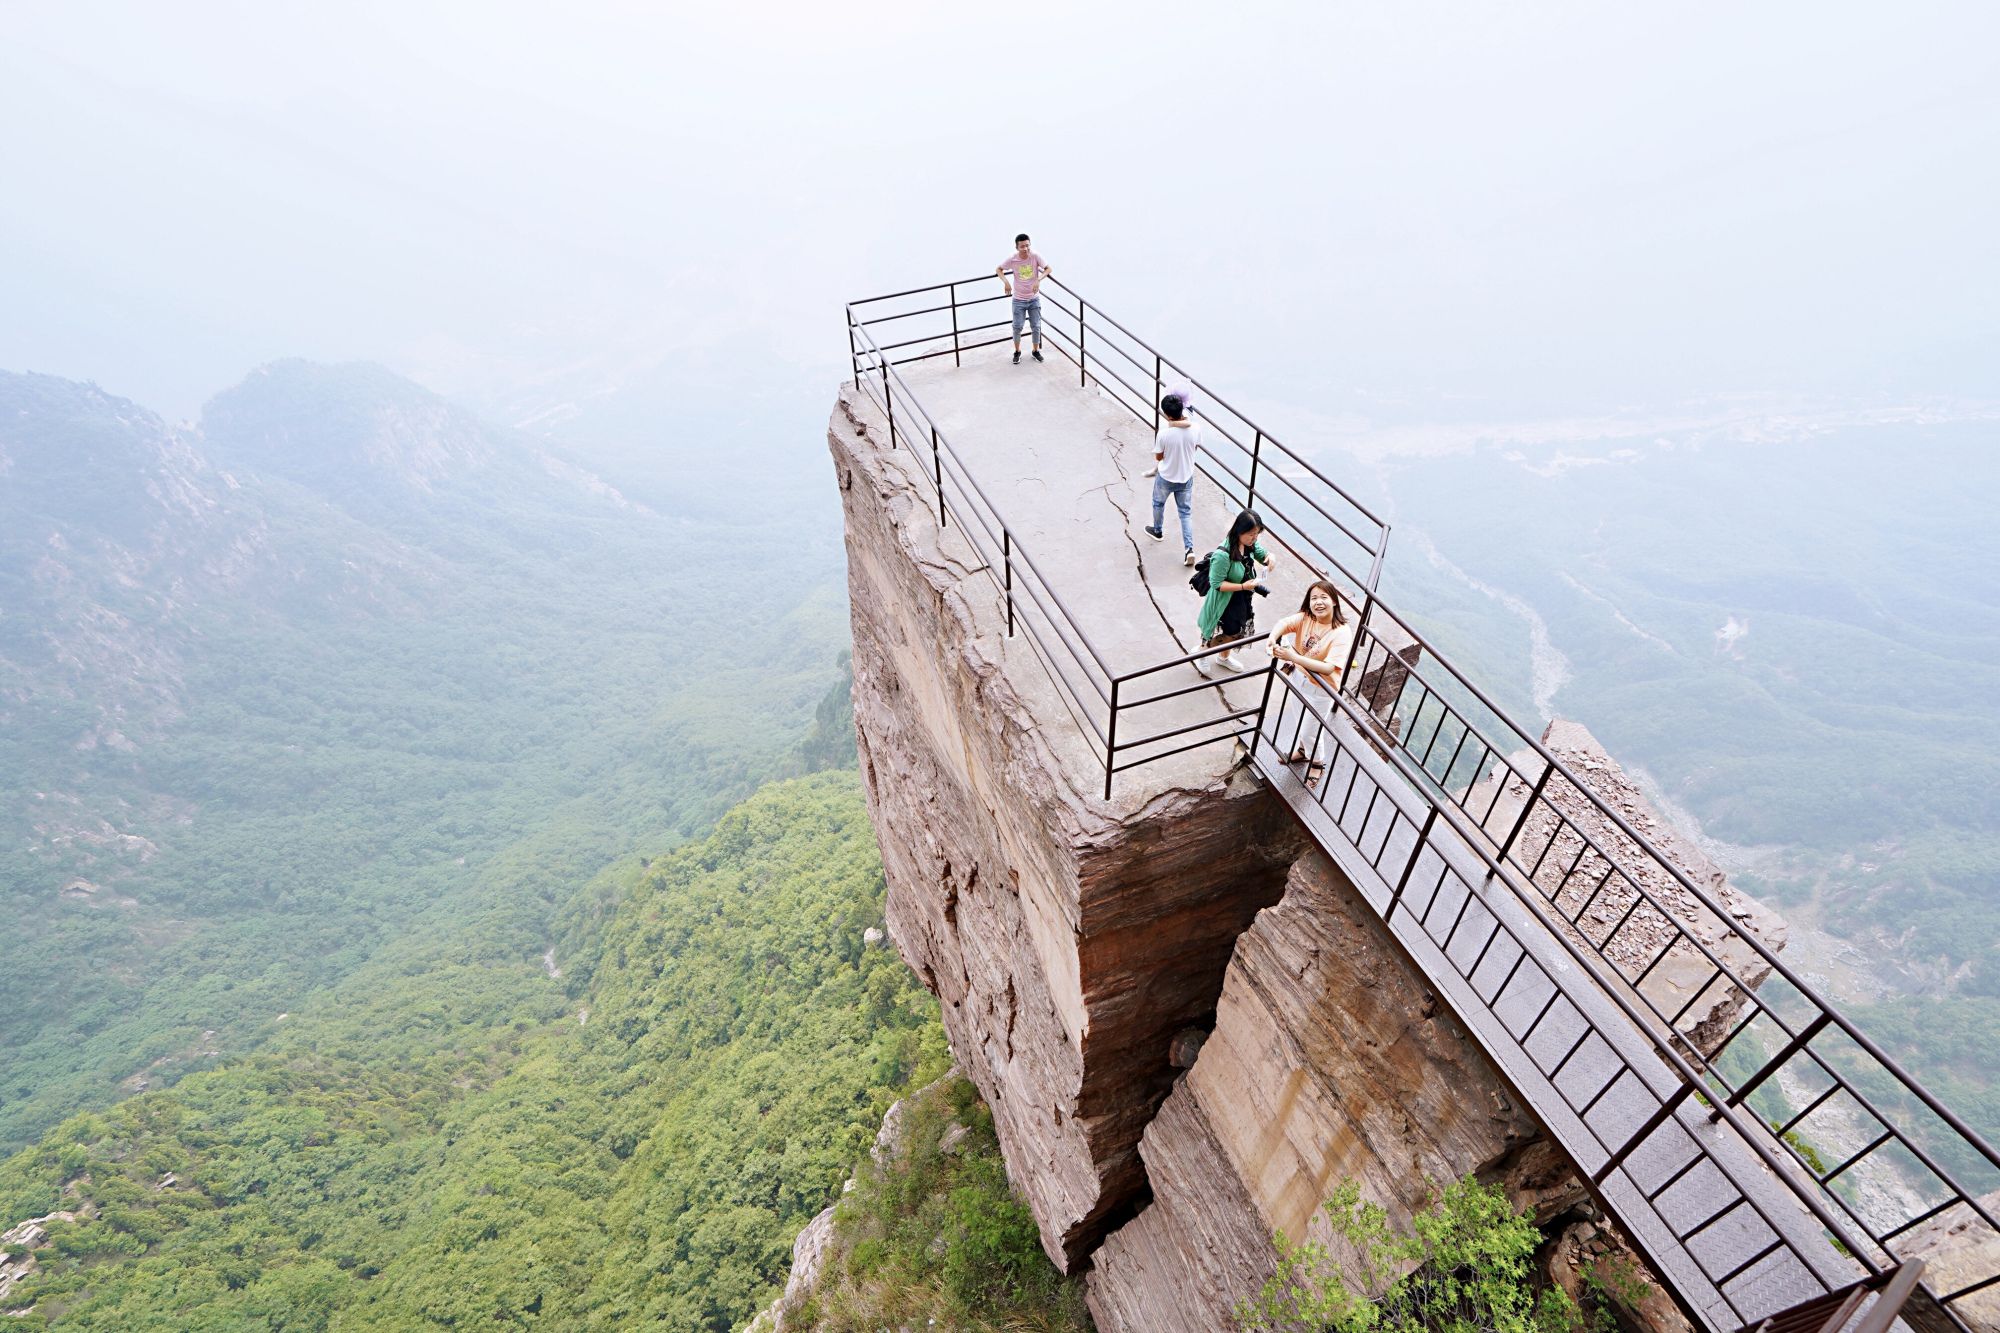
814	1244
1170	1082
809	1253
1959	1250
1685	979
1330	1060
17	1246
1596	1266
1068	937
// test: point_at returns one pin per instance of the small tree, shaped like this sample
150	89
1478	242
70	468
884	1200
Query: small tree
1463	1268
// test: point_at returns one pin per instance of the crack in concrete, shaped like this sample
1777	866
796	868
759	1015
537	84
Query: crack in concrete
1139	562
1138	555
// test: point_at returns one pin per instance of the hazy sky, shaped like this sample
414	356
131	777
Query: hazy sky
1396	206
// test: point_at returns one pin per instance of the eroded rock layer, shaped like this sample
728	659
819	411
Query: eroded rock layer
1067	937
1330	1060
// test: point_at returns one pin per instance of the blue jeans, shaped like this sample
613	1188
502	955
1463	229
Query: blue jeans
1031	311
1181	491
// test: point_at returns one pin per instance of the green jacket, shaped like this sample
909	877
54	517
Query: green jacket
1221	570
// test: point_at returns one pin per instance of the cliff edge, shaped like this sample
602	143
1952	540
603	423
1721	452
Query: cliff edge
1083	945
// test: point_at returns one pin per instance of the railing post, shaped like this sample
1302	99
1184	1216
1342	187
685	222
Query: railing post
954	325
1375	565
1082	380
1007	574
853	353
1157	387
1520	821
1111	732
1409	866
1354	649
937	469
1256	450
889	402
1264	705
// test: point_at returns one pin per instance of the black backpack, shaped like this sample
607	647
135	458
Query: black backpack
1199	579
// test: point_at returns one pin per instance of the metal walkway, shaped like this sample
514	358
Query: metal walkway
1731	1241
1774	1165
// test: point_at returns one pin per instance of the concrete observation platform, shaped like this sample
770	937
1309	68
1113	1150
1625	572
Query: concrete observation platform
1064	465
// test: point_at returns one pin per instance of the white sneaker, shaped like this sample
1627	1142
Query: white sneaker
1187	557
1151	472
1228	663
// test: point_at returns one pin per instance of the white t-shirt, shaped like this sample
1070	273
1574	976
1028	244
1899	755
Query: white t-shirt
1177	444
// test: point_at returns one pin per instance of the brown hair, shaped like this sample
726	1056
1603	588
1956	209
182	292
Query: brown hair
1305	603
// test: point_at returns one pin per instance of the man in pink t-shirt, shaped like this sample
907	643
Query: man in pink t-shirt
1021	273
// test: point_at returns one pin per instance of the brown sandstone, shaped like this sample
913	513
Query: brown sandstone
1330	1060
1067	937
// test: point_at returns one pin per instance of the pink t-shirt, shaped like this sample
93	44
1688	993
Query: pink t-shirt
1026	275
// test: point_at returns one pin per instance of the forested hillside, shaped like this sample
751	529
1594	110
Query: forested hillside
344	675
1791	622
634	1153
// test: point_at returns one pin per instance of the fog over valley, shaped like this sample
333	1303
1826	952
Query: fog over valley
439	878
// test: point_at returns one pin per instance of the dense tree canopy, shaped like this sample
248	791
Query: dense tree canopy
639	1154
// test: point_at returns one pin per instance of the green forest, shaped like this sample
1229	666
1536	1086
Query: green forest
639	1150
256	733
441	878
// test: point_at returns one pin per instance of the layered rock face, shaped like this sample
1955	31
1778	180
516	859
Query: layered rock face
1067	937
1329	1061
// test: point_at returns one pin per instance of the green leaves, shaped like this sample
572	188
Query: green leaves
936	1234
1463	1267
456	1149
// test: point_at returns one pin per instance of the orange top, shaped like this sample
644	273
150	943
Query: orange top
1320	641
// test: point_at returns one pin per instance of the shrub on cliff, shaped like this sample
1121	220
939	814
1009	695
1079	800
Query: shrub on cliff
934	1233
1462	1268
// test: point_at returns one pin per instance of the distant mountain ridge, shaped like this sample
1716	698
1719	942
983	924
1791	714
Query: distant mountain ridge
317	424
271	682
118	530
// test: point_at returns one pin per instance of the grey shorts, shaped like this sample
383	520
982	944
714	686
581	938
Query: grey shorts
1031	311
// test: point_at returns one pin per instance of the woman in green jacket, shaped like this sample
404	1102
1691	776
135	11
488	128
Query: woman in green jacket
1227	613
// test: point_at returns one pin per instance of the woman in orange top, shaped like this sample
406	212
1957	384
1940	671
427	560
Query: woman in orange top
1316	640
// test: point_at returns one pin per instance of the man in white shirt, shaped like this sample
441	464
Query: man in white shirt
1173	459
1182	388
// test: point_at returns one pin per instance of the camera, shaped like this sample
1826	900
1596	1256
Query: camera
1261	590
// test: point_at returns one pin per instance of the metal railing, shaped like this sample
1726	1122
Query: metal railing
1114	710
1870	1141
1486	801
1660	1139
